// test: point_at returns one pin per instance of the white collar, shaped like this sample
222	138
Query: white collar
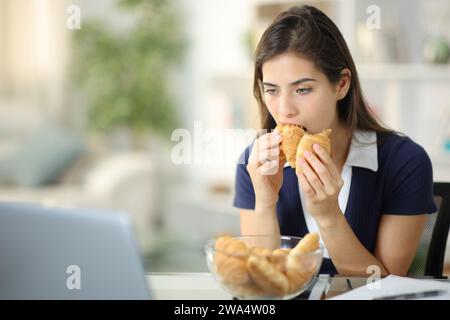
363	151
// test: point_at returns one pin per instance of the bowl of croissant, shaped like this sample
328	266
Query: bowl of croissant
264	267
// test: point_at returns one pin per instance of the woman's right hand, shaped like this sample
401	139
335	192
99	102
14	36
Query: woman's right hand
266	169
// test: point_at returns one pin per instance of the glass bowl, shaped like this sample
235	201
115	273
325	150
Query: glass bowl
263	267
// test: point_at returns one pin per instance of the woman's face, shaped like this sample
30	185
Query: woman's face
297	92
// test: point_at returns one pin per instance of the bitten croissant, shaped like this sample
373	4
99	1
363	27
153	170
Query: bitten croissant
291	135
307	142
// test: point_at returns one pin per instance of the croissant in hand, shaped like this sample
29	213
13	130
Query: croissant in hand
307	142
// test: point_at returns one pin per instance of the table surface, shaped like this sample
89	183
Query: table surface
202	286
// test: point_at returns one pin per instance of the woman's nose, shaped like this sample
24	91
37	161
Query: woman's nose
287	108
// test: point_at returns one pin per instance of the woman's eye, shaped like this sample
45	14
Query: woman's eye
303	90
270	91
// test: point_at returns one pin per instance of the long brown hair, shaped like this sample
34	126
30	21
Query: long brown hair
308	31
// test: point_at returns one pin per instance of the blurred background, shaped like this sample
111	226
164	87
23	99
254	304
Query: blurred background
92	91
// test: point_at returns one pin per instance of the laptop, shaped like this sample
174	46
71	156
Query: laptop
62	253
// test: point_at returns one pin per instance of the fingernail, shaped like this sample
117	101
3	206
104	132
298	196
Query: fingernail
307	154
316	147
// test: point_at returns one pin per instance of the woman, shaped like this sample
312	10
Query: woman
370	198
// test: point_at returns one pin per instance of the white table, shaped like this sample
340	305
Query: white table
185	286
202	286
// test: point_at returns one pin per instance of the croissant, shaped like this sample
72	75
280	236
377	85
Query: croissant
299	268
267	276
279	257
291	135
233	271
307	142
309	243
261	252
230	260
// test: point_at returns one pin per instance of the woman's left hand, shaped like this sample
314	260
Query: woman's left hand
321	183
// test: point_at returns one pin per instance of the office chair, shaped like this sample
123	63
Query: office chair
429	258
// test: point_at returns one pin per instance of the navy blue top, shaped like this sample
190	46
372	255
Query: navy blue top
402	185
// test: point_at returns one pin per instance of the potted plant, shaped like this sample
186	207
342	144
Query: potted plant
124	72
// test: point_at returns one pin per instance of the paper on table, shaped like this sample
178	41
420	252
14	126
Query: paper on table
393	285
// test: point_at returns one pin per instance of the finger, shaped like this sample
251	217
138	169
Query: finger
269	168
259	145
321	170
312	178
269	154
326	159
266	155
306	187
268	141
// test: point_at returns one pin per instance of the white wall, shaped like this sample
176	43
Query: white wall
215	31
